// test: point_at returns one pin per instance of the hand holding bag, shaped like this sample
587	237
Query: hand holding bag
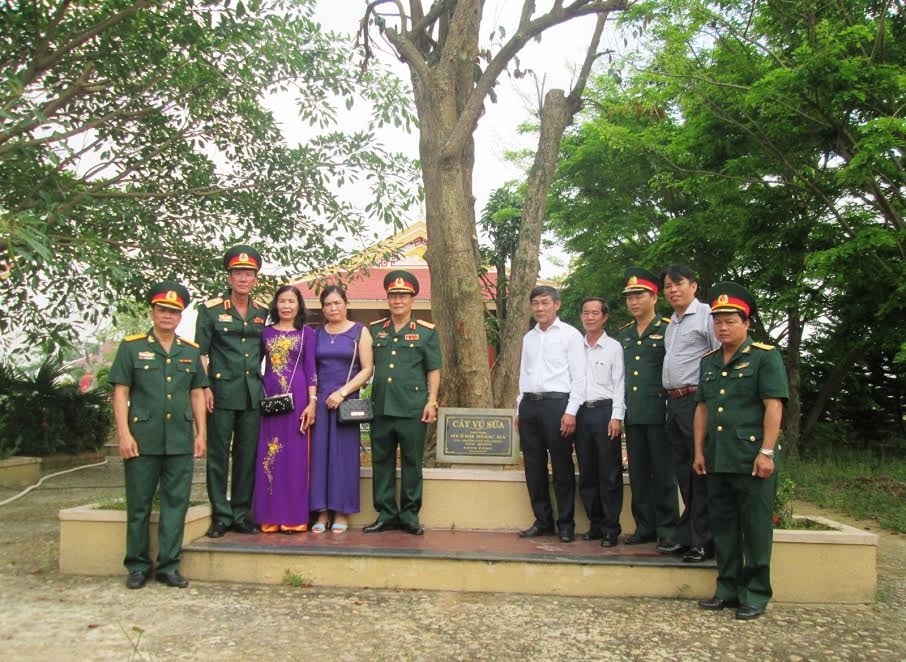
277	405
355	410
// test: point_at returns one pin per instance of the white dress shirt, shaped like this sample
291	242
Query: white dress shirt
553	361
604	373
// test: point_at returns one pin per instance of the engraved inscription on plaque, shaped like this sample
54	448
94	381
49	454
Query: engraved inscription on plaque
481	436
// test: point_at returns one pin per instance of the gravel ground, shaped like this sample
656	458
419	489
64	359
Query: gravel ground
49	616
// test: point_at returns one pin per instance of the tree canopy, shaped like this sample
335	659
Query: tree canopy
137	141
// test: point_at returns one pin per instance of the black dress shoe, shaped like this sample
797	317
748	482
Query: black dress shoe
609	541
669	547
696	555
748	612
379	525
593	534
173	579
536	531
137	579
637	539
716	604
216	530
245	526
567	534
413	529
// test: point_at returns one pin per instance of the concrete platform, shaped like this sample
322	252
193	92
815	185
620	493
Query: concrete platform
455	560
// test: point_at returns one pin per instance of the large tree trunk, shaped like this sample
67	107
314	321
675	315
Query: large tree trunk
829	389
793	420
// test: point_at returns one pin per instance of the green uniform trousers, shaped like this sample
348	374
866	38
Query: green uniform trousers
241	427
742	523
143	474
652	480
388	433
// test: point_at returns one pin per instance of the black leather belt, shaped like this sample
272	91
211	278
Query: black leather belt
591	404
548	395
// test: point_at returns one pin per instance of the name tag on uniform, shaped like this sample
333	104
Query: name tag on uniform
258	320
224	317
411	336
146	356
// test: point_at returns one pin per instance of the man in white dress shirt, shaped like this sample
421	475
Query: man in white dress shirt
598	427
551	389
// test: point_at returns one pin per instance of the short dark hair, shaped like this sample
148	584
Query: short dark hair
604	308
333	289
544	290
299	320
677	272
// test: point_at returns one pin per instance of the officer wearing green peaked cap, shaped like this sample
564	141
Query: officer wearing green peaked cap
651	476
228	331
407	365
158	404
737	423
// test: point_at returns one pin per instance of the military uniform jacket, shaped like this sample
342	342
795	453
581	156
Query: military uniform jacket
643	359
401	363
160	410
734	393
233	347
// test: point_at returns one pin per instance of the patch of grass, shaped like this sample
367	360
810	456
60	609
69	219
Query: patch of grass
856	483
291	578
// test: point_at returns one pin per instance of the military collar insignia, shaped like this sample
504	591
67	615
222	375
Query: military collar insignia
386	324
746	350
150	338
411	326
227	304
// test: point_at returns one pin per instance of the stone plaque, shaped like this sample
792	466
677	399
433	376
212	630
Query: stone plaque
477	436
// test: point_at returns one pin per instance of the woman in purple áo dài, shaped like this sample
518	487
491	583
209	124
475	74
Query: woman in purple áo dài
280	502
345	363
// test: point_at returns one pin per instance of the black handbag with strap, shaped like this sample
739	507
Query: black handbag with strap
355	410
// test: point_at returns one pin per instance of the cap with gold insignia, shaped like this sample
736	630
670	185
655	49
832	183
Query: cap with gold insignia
401	281
169	294
728	297
242	257
641	280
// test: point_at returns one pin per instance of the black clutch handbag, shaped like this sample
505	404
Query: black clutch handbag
355	411
277	405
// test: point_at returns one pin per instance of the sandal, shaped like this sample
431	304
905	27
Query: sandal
339	527
319	527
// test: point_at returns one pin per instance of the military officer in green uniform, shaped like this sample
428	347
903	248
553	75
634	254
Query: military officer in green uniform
228	332
651	476
407	365
158	404
739	408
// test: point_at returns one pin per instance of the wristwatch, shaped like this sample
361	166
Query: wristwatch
767	452
343	392
433	403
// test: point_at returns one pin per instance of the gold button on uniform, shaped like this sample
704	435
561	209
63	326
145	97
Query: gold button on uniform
752	438
147	366
169	378
168	416
638	358
169	360
389	379
217	376
720	410
720	428
635	388
390	366
135	419
169	396
722	391
635	372
392	352
638	342
396	340
723	374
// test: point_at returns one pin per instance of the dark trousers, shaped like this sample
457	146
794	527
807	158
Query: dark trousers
539	436
232	433
143	474
742	509
652	479
694	528
600	469
388	433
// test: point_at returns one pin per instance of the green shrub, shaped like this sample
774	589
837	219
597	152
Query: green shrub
783	503
49	415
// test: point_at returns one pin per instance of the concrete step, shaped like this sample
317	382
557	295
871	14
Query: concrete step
448	559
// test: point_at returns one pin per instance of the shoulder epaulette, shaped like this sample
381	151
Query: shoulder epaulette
135	336
627	325
761	345
261	304
424	323
377	321
216	301
667	319
713	351
188	342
